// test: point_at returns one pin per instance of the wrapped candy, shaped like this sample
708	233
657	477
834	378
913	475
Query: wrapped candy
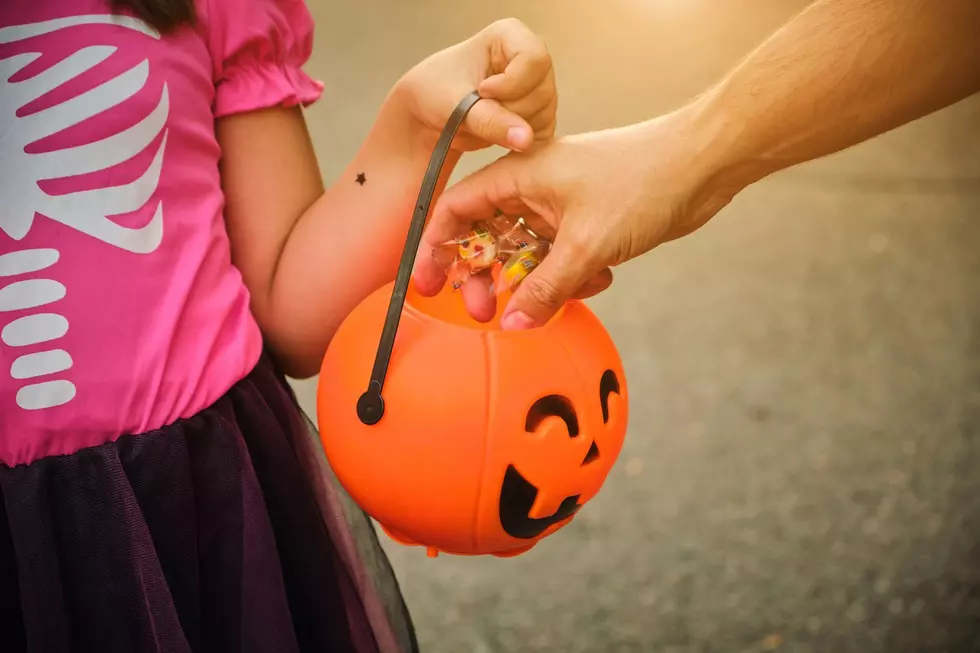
478	249
501	241
518	266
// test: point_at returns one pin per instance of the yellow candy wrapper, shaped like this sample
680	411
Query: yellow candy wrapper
518	266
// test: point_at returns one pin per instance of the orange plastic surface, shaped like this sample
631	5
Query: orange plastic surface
457	398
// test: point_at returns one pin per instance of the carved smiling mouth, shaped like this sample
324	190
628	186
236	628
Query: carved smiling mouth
516	498
517	494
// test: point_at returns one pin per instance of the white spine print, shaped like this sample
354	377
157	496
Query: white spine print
21	287
35	329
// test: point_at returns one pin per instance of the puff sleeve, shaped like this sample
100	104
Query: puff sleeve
258	49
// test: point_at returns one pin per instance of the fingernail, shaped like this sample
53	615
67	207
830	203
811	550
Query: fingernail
517	137
516	321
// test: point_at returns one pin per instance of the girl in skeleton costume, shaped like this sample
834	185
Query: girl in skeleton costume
167	253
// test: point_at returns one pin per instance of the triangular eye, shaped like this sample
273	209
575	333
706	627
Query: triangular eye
592	455
607	385
552	405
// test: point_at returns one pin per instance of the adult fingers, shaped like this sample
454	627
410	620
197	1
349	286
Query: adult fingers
478	297
600	282
474	198
559	277
481	302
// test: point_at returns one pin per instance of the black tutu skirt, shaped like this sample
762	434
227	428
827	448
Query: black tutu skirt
225	532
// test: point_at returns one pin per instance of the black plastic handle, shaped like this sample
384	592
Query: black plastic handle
371	405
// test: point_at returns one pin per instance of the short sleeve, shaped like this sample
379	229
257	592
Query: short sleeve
259	48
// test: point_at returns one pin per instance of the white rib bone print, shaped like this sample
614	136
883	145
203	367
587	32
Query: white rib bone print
21	288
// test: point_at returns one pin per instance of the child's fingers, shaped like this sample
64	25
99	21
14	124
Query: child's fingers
538	109
528	61
512	83
492	123
544	122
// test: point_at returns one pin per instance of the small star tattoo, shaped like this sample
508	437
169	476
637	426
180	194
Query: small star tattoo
361	178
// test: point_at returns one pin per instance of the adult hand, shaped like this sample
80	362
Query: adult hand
603	198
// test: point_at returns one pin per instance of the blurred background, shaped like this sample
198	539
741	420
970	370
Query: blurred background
802	469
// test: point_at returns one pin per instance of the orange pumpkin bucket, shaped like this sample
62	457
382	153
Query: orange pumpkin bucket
456	435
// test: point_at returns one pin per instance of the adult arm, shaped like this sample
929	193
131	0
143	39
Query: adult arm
839	73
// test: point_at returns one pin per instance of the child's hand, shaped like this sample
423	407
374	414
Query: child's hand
510	67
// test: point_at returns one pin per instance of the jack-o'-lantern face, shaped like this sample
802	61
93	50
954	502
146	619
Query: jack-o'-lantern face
525	507
557	485
555	428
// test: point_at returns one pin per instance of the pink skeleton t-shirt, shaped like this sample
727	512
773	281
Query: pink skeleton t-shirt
120	310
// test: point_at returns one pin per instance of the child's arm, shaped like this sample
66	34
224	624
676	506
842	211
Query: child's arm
309	257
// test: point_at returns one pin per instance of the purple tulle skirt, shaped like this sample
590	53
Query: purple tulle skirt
225	532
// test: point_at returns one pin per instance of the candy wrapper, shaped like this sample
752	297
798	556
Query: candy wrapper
500	241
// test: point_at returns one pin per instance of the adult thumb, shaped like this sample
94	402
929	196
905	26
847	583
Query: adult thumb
492	123
557	279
